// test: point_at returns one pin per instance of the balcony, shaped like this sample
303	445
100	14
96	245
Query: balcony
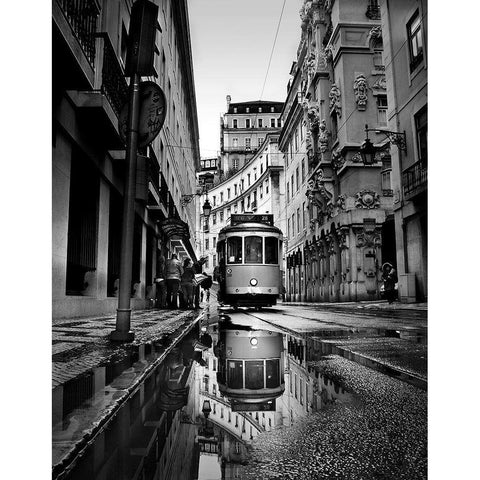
414	180
240	149
76	23
101	106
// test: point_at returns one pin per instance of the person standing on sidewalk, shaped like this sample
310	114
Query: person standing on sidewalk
161	282
389	277
197	267
174	273
187	283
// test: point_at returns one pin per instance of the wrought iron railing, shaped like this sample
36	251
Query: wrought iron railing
82	16
414	178
114	85
241	148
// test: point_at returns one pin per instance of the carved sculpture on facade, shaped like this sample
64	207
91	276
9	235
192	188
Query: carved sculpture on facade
326	54
312	113
323	136
375	34
369	239
335	103
360	89
357	158
309	147
320	197
342	237
341	200
381	83
338	159
367	199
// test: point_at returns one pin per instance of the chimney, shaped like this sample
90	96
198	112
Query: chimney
229	99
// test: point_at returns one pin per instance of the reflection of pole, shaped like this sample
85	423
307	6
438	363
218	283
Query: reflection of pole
122	331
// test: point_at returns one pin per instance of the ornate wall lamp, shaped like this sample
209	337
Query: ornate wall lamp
368	150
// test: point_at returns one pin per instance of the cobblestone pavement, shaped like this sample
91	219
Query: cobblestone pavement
81	344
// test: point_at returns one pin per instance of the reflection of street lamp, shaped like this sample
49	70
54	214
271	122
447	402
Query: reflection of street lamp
206	409
368	150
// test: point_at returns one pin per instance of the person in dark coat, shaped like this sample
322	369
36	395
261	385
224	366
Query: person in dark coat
187	283
174	272
389	277
161	282
197	267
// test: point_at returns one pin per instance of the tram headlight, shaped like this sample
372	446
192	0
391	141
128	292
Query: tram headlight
254	341
253	282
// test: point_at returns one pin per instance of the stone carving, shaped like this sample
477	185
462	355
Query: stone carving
341	202
309	147
367	199
342	237
323	137
375	34
312	224
381	83
312	112
357	158
311	64
360	89
369	239
319	196
338	159
334	96
327	55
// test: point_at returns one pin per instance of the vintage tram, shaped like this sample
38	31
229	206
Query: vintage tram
251	367
249	254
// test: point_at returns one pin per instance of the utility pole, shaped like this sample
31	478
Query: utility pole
140	55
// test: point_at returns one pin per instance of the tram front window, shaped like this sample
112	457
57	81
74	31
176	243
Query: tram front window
271	250
253	250
235	374
273	373
254	374
234	250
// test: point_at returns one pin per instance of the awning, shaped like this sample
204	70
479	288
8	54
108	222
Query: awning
175	228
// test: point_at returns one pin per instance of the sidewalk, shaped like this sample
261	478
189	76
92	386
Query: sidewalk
81	344
375	304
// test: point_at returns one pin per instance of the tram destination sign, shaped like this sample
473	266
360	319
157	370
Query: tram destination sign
266	219
253	407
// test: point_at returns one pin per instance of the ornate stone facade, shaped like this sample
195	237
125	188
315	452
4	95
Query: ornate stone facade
367	199
323	136
338	160
335	103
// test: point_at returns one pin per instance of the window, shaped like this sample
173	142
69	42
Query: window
292	184
296	178
243	183
271	250
253	250
124	42
288	192
334	126
228	212
234	250
235	142
382	109
214	243
261	191
235	375
221	216
421	127
247	110
378	60
260	141
279	123
261	168
272	123
248	143
304	220
247	123
303	170
296	140
221	197
266	185
298	220
228	193
415	42
248	178
206	244
235	166
235	189
214	219
260	122
254	374
235	109
288	228
386	181
235	123
235	208
293	225
214	200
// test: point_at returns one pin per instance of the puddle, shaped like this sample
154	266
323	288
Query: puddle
196	414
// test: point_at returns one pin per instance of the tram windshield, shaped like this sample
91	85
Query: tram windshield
253	250
271	250
234	250
254	374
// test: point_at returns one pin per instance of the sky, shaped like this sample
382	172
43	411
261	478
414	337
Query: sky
231	45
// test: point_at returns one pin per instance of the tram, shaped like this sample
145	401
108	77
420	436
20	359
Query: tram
249	253
251	367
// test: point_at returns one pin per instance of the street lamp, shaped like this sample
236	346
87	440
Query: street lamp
207	208
206	409
368	150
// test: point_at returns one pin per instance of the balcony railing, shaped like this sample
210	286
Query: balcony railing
114	85
241	148
414	179
82	16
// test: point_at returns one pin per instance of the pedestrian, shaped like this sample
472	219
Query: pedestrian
187	283
389	277
161	282
197	267
174	272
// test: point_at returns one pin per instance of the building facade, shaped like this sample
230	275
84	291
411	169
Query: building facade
89	170
339	212
243	129
257	187
404	32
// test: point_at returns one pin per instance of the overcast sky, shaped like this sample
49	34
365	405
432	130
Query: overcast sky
231	43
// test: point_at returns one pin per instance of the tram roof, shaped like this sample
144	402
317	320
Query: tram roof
250	226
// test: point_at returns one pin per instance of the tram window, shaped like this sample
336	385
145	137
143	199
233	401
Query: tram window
234	250
273	373
253	250
271	250
254	374
235	374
